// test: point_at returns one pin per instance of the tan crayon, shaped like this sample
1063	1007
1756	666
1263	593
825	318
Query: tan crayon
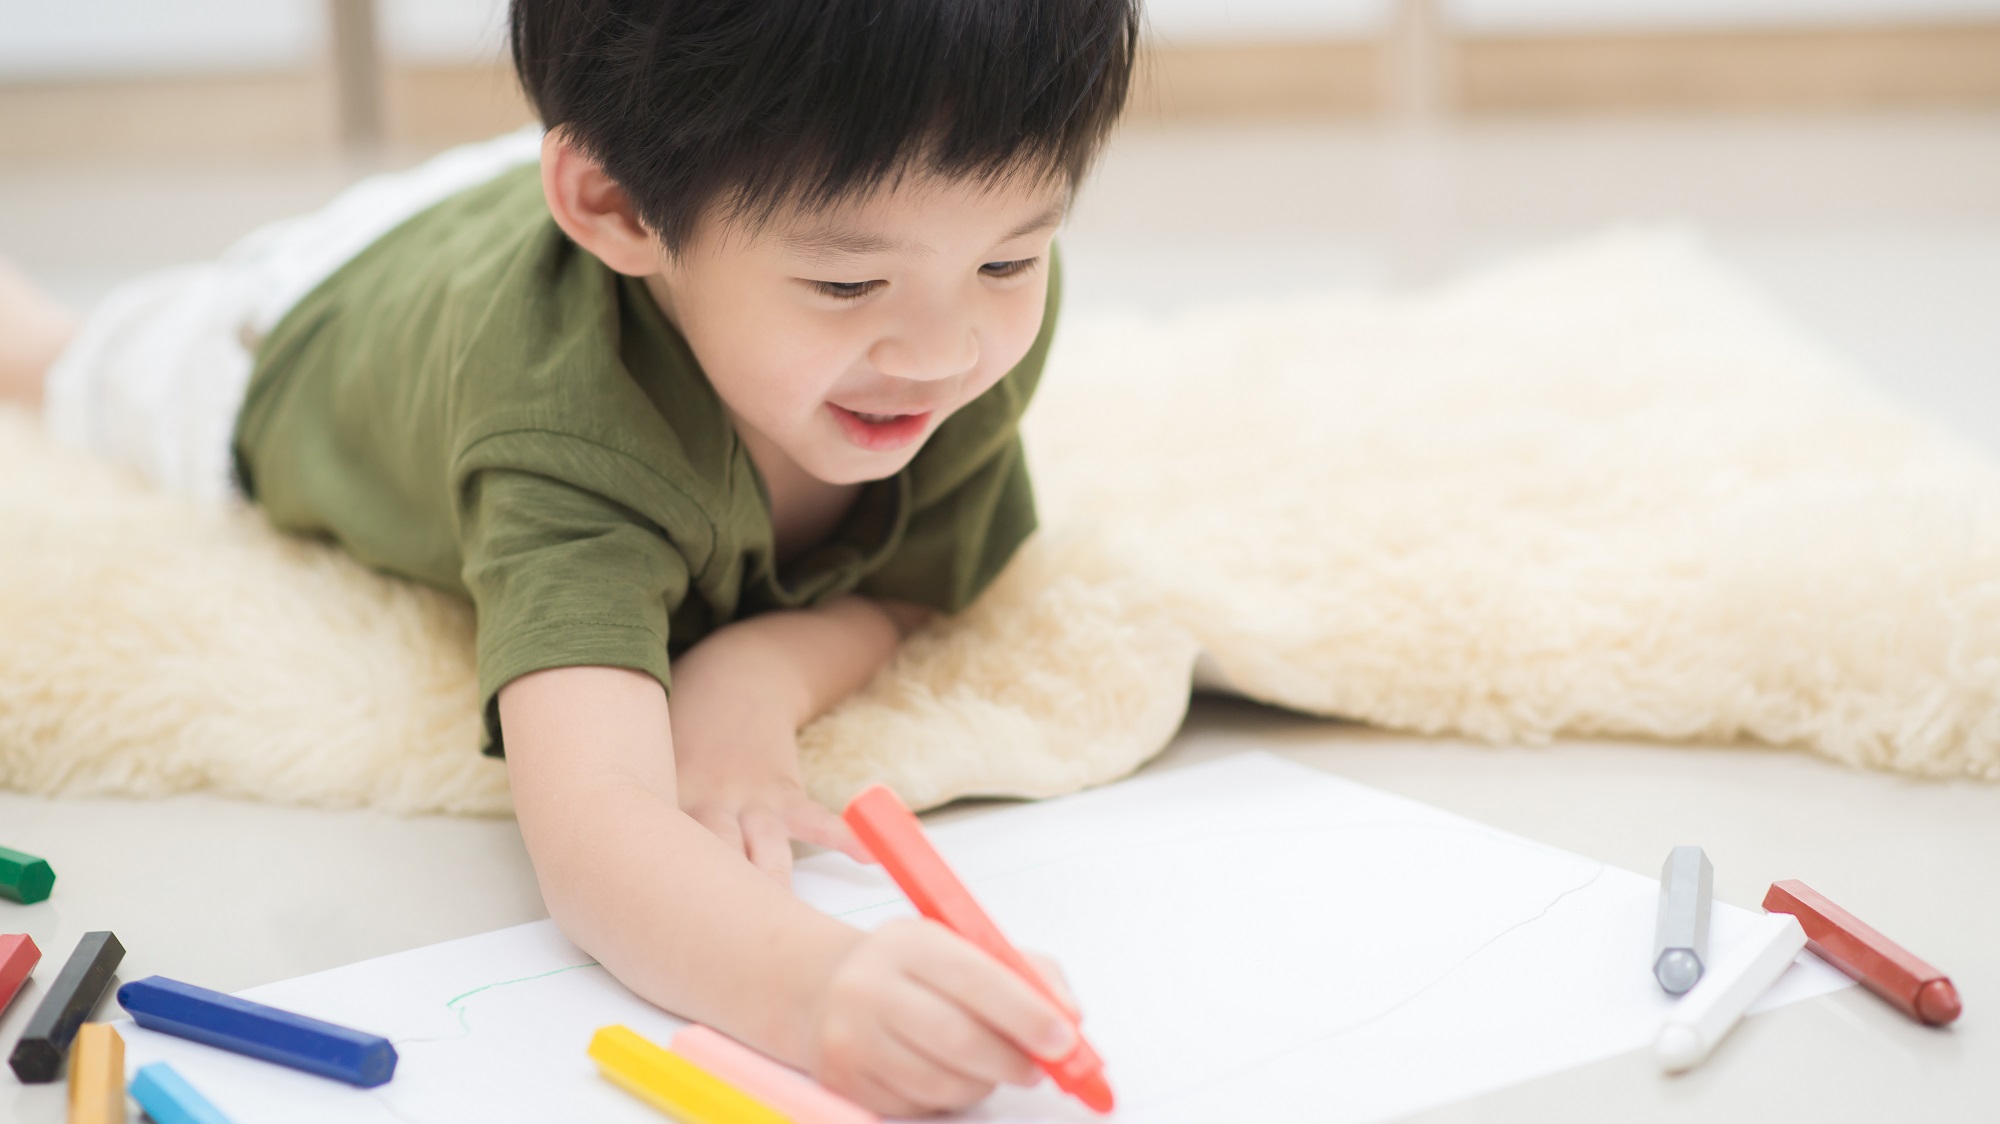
97	1076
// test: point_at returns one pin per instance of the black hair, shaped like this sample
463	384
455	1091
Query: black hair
750	104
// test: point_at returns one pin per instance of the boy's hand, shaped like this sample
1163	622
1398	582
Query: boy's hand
737	769
916	1020
739	699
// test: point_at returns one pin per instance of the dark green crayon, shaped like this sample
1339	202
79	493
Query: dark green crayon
38	1056
24	878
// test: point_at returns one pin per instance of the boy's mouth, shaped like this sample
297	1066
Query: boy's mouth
879	432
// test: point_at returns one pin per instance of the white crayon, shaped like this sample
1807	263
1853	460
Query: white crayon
1705	1014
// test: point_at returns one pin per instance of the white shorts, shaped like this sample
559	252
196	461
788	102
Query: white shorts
157	372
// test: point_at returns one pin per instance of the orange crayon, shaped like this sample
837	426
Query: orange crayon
894	836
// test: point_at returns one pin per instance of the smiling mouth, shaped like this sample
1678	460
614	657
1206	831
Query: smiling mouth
880	432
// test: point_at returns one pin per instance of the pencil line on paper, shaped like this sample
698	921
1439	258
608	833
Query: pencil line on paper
455	1000
455	1003
1378	1016
1462	961
382	1098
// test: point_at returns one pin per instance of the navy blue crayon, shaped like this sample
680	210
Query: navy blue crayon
224	1021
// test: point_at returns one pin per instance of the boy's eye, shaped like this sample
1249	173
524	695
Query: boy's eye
845	290
1008	268
855	290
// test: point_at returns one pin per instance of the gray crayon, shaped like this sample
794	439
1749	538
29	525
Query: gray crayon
1680	949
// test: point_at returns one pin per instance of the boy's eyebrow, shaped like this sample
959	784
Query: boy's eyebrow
827	242
834	242
1051	216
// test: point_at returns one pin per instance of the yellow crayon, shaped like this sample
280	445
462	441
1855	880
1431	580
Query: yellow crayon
673	1084
97	1076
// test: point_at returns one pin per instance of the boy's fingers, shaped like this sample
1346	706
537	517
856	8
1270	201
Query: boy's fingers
887	1100
870	1092
932	1087
1052	974
1004	1001
723	826
810	823
955	1039
767	844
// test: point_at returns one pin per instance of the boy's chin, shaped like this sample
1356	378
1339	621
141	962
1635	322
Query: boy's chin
849	465
836	458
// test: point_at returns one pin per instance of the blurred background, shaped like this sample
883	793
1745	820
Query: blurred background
1845	154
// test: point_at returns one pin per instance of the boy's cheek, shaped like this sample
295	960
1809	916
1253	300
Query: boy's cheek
785	357
1023	325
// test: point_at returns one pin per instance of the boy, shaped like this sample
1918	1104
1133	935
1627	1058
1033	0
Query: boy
729	373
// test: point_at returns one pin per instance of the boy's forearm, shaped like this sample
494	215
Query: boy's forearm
805	661
681	919
590	753
638	884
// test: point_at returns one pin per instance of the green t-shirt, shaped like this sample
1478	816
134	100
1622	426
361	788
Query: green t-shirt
478	404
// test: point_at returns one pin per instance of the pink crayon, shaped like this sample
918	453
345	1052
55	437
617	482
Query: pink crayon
762	1079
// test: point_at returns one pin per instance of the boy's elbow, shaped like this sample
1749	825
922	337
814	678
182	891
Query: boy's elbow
908	615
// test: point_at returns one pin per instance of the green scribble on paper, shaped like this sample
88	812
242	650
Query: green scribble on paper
452	1004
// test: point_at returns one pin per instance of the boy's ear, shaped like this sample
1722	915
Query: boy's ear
594	211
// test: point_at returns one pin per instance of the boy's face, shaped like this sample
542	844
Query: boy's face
841	339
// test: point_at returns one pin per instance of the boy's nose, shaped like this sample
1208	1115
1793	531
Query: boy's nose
927	349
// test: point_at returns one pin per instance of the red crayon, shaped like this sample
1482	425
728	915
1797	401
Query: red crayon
894	836
1880	964
18	957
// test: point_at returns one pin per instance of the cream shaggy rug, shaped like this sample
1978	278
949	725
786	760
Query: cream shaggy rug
1605	491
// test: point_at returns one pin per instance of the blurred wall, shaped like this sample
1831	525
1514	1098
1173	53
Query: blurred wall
1559	16
176	77
41	39
91	38
129	37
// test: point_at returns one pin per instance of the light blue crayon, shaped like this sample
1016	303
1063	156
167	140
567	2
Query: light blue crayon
166	1096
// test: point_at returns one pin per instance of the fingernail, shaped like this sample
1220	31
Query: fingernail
1057	1042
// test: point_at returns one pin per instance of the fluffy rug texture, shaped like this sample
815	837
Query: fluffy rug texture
1605	491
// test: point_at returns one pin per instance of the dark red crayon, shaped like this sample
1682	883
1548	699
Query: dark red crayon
18	957
1878	963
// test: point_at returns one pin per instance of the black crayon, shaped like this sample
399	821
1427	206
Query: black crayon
38	1056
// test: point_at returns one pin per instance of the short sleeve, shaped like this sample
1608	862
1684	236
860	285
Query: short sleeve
562	577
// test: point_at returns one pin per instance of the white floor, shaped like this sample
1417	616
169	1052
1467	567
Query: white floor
1882	234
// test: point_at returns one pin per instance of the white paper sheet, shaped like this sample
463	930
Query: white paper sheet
1250	939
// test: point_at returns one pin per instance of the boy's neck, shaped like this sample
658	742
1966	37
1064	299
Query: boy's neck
804	508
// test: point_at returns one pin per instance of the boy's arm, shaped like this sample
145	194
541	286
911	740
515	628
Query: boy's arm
590	760
906	1019
740	697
